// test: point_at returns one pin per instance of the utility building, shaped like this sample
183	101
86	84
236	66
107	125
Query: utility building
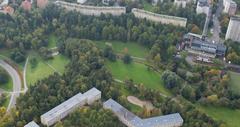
131	120
62	110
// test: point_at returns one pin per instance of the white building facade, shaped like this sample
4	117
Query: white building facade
67	107
230	7
233	31
91	10
164	19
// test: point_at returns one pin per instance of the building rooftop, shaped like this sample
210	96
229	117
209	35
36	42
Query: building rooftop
120	111
31	124
63	107
236	18
92	92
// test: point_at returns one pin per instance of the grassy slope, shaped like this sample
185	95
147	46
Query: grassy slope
52	41
235	82
147	6
8	86
139	73
134	49
59	62
231	117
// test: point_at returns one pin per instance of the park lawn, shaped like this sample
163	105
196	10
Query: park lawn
134	49
235	82
139	73
5	104
230	116
52	41
42	70
59	62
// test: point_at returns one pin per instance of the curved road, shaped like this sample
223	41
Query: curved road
16	83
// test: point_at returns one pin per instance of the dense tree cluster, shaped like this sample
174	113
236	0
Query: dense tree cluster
233	52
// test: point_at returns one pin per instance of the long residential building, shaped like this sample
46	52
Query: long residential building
131	120
164	19
91	10
203	7
233	31
31	124
62	110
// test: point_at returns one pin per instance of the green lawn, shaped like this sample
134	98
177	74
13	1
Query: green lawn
59	62
139	73
42	70
52	41
7	101
231	117
134	49
235	82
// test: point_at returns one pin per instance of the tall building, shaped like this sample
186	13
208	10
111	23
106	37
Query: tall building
42	3
233	31
62	110
26	5
202	7
131	120
230	7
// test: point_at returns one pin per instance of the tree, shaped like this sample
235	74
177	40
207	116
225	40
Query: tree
3	76
127	59
170	79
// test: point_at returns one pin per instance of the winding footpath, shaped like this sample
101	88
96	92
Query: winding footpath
16	83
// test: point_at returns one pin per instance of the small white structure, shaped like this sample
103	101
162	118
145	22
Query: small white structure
230	7
81	1
91	10
202	7
233	31
62	110
131	120
31	124
164	19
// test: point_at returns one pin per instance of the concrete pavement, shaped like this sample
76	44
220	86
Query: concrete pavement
16	83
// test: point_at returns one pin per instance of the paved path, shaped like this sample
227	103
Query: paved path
16	83
24	75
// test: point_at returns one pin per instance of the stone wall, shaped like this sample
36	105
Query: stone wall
92	10
164	19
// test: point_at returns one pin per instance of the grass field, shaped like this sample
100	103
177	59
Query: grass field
52	41
139	73
231	117
7	101
59	62
235	82
134	49
42	70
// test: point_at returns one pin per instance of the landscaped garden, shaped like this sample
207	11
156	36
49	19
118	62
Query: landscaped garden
132	48
139	73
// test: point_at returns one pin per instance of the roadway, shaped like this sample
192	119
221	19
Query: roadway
16	83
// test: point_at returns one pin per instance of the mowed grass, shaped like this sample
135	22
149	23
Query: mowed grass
230	116
52	41
139	73
147	6
133	49
235	82
42	70
59	62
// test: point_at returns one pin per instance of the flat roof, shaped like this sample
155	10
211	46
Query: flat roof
92	92
31	124
171	119
63	107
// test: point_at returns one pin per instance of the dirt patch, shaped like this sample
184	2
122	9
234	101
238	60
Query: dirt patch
140	103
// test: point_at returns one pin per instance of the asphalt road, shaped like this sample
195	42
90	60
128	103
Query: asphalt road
16	83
